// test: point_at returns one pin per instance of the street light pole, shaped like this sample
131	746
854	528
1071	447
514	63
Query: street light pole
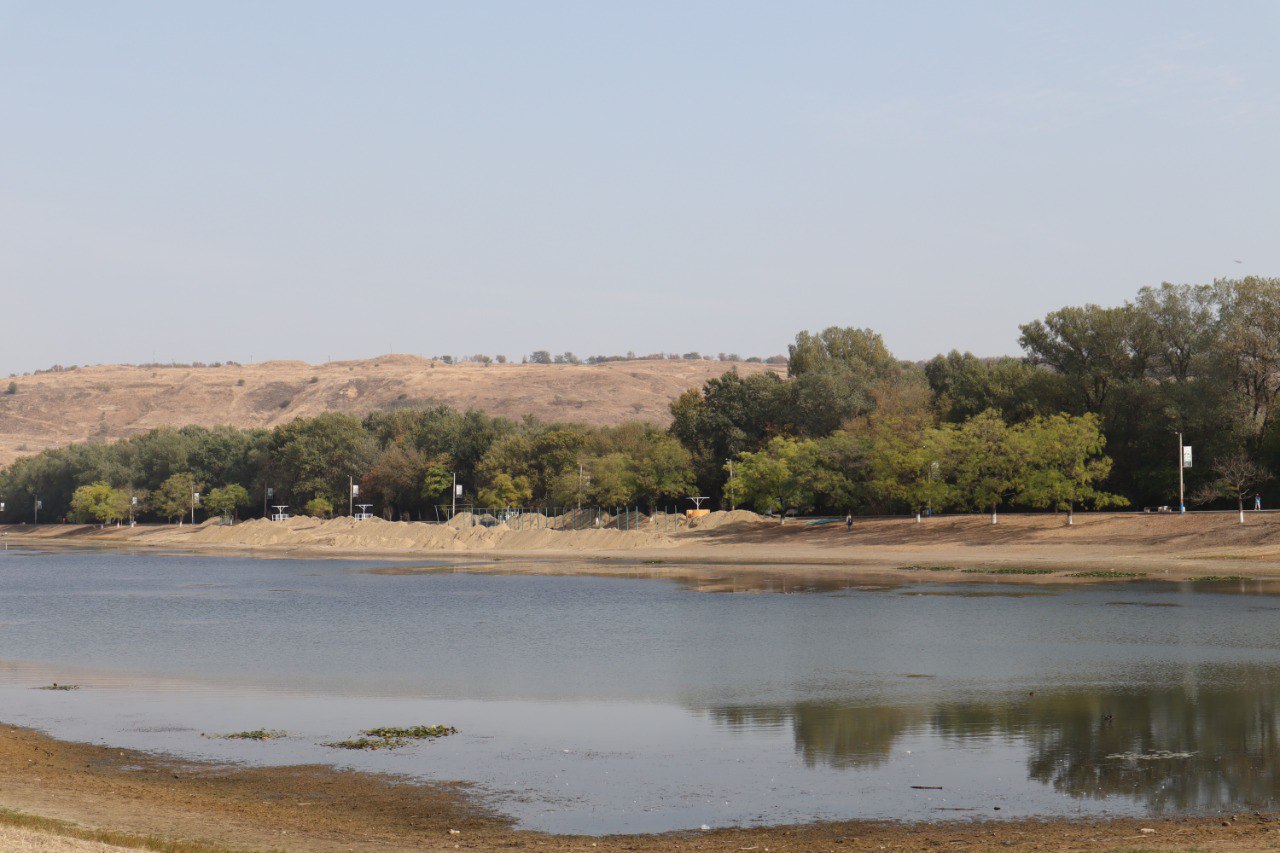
1182	501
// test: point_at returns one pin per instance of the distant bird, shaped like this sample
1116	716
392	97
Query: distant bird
1106	718
1238	261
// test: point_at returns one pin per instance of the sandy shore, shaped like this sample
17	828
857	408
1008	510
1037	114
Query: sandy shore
739	549
66	796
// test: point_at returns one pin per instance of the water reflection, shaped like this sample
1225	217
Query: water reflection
1210	742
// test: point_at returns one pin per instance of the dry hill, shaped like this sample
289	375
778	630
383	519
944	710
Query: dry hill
109	402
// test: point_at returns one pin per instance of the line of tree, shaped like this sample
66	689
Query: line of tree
1087	417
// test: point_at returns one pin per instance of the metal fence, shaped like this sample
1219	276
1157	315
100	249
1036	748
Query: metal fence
663	520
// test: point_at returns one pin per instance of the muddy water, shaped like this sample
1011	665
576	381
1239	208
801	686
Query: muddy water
606	705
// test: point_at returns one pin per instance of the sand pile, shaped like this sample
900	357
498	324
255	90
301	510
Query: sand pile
720	518
462	533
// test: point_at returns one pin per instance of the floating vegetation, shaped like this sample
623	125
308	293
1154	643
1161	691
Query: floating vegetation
392	737
1218	578
1007	571
928	569
255	734
369	743
652	562
1106	574
57	686
412	732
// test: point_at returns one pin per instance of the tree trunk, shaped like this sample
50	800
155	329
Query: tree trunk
1240	503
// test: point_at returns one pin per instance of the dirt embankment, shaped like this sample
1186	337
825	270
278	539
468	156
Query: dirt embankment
110	402
1027	548
53	791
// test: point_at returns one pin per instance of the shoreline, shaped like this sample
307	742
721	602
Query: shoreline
1035	549
61	789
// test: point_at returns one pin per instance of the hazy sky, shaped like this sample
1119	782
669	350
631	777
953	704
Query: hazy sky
236	180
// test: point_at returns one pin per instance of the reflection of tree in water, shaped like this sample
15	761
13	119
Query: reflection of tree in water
1177	747
833	734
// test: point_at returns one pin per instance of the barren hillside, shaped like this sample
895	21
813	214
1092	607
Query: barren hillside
113	401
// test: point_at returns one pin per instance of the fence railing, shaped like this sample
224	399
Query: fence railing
662	520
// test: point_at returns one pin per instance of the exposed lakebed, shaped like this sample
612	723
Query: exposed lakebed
591	704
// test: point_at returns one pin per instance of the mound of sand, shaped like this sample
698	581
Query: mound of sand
721	518
464	532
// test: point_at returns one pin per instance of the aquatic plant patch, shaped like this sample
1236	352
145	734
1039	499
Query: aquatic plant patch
918	568
1104	574
369	743
1007	571
1218	578
57	686
254	734
412	732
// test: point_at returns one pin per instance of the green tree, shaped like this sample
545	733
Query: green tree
1248	349
910	465
173	499
227	500
988	463
319	507
1064	464
99	502
1095	348
777	478
317	456
506	491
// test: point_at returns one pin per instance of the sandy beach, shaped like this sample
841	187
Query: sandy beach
741	547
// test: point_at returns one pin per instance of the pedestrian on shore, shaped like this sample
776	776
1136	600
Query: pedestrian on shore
1257	501
848	521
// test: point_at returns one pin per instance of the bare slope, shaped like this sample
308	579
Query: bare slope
113	401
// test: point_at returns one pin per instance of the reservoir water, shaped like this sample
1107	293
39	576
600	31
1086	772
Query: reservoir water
599	705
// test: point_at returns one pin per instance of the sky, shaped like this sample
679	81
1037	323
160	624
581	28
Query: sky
315	180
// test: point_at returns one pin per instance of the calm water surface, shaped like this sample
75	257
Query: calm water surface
608	705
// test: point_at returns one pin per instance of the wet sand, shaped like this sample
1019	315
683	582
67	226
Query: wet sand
133	799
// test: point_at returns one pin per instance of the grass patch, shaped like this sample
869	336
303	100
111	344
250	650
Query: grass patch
66	829
57	686
922	568
255	734
652	562
1218	578
1108	575
1007	571
412	732
370	743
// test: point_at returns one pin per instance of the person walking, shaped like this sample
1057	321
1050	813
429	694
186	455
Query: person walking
1257	501
848	521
